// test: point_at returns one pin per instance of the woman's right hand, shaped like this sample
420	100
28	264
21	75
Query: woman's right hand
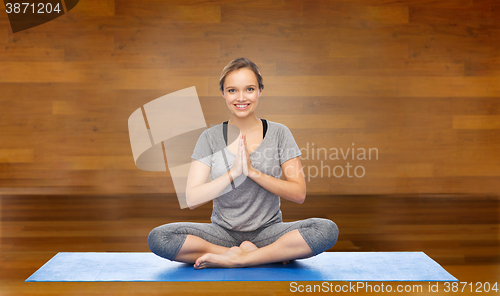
239	164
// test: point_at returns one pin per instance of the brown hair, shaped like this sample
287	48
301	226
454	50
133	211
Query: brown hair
237	64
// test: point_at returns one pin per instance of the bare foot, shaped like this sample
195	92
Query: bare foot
248	246
228	259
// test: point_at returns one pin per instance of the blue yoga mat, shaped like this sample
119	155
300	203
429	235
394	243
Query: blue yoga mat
329	266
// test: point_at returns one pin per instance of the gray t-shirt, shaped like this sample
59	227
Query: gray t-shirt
249	206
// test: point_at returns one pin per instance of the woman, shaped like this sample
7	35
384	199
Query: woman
247	227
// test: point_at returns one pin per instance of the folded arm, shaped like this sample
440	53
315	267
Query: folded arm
292	188
198	191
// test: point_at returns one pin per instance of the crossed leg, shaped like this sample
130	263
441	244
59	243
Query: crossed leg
288	247
249	246
209	245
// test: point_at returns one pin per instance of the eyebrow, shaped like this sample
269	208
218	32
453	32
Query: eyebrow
229	86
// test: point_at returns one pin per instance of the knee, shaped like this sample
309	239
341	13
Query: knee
156	239
328	230
248	246
164	241
331	231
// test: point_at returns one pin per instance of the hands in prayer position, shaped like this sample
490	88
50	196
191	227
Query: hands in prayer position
242	163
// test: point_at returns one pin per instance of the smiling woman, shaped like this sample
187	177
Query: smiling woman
241	86
247	227
241	92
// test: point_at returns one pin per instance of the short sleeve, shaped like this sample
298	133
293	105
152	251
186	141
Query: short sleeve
203	150
288	148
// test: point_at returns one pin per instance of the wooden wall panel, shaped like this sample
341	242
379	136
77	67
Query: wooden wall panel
476	122
27	72
416	80
202	13
16	155
95	8
369	66
14	53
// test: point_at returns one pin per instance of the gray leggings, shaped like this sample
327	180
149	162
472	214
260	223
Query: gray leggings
166	240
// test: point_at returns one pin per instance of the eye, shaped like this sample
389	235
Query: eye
231	91
250	89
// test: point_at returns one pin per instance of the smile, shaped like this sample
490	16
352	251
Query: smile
241	107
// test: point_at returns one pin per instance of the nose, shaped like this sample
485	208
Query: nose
240	97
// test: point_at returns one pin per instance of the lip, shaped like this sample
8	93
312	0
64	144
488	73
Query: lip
243	108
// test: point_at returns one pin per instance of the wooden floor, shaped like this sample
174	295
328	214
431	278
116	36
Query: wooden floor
459	232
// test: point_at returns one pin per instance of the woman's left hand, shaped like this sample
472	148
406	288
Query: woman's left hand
247	163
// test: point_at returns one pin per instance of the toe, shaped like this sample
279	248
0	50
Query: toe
198	263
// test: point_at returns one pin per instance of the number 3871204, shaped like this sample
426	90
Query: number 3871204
32	8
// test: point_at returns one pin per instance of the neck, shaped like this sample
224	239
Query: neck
246	124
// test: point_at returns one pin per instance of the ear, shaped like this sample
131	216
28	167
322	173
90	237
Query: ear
260	92
223	95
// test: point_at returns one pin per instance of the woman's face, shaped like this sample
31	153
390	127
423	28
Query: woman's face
241	91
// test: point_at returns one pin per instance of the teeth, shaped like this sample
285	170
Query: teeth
241	106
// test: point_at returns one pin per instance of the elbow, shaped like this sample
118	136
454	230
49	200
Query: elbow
190	205
193	201
189	201
300	198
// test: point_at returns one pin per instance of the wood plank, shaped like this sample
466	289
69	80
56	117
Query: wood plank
214	66
112	59
207	13
480	169
91	40
95	7
355	15
147	42
439	47
448	86
476	122
320	121
4	33
368	66
474	14
429	3
253	12
477	66
272	47
17	155
343	48
16	53
63	108
38	72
